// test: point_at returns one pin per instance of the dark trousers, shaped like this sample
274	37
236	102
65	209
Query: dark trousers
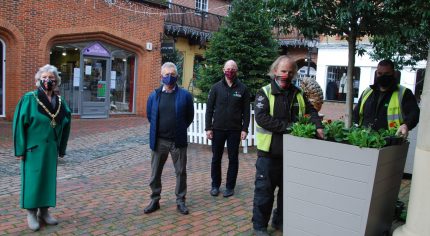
268	176
159	157
218	141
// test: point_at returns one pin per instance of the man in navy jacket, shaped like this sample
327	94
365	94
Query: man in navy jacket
170	111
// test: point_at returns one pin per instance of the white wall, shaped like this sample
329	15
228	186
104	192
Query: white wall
330	54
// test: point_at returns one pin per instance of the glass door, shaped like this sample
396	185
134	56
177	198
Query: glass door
95	88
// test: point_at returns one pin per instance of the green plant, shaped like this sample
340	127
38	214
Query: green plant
303	127
303	130
335	130
390	132
358	136
365	137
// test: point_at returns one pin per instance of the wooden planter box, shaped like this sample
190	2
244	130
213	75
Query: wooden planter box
334	189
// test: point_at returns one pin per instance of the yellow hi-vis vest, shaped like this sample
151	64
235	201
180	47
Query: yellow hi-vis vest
394	111
264	137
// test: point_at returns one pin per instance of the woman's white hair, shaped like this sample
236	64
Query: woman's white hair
47	68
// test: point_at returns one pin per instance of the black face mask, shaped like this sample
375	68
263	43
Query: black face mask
49	85
385	80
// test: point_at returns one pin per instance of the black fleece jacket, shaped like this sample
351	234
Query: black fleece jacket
228	108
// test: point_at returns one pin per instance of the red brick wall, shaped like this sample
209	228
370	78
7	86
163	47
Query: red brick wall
218	7
30	28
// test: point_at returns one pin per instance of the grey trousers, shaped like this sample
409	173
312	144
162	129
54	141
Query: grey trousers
159	157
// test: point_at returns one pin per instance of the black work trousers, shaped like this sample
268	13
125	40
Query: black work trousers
218	141
268	176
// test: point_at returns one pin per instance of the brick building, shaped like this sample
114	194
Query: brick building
188	26
108	52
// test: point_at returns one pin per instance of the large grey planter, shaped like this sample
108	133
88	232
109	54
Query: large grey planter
334	189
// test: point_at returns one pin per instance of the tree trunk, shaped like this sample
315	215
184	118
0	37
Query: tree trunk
349	82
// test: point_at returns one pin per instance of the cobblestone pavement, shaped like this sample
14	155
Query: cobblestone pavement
103	187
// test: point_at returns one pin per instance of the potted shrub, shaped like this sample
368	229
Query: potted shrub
345	186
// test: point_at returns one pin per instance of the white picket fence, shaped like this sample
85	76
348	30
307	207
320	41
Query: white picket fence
197	133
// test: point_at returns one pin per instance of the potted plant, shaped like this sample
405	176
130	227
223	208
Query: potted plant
345	185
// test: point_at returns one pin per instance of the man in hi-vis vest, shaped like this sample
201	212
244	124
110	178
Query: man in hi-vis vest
277	106
386	104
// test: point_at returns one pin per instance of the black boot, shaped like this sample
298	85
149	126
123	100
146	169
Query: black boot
153	206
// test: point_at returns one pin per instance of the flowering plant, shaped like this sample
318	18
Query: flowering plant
391	131
303	128
358	136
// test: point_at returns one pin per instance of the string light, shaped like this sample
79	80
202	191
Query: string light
145	9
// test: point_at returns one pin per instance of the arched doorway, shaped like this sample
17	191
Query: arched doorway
306	67
97	77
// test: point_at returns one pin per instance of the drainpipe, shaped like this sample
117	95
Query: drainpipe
417	222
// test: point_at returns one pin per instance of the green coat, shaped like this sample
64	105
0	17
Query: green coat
41	145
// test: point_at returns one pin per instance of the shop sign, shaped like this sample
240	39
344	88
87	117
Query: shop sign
96	49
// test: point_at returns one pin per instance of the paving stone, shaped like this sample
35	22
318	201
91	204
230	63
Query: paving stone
103	186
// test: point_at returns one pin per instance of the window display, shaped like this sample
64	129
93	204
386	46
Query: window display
336	88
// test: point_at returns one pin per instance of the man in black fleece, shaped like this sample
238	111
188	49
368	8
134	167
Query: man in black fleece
277	106
227	119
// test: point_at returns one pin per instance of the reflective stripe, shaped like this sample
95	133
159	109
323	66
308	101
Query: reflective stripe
401	94
393	117
263	131
394	112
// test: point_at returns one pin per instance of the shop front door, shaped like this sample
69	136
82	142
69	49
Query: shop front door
95	88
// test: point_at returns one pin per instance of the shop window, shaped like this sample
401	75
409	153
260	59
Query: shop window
66	59
122	85
2	78
336	83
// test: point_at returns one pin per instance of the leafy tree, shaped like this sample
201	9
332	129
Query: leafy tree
408	39
351	19
245	37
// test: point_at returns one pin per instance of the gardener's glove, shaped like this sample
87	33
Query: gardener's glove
403	131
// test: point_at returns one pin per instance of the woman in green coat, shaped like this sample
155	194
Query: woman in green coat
41	128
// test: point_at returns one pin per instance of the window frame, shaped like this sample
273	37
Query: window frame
199	5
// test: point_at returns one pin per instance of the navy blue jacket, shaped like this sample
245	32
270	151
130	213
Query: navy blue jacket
184	115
